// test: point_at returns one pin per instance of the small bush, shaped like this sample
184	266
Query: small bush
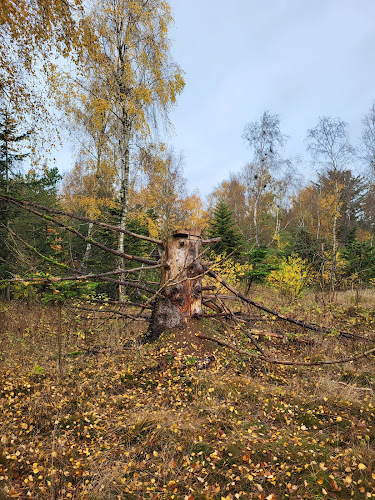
292	277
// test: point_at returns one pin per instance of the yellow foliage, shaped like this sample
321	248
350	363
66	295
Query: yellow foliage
162	189
292	277
231	271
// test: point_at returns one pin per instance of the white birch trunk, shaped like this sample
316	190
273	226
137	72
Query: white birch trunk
124	192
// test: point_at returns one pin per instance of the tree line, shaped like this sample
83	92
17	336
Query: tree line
114	91
329	222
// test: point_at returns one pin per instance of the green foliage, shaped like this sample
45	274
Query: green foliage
11	145
38	370
222	224
262	261
191	360
305	245
49	290
43	238
100	261
291	278
359	257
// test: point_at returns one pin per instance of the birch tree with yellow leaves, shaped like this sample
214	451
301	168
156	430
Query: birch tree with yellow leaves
126	49
163	190
31	32
329	145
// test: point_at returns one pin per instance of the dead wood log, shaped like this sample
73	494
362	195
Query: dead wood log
51	279
296	340
117	302
181	283
111	311
212	240
221	297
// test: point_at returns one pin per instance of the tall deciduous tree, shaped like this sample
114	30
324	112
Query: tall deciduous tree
352	194
329	145
265	140
368	155
161	190
163	186
127	50
368	139
90	186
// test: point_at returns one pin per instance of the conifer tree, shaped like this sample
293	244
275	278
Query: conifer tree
223	225
11	144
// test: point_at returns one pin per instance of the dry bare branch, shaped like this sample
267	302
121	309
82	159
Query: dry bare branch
81	218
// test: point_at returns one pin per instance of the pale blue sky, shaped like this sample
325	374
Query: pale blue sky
300	59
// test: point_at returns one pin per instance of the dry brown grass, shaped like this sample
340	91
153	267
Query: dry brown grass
147	424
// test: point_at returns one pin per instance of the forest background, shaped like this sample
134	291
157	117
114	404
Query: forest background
115	93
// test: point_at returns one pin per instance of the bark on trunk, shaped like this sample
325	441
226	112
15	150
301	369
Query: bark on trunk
87	255
124	189
335	242
181	282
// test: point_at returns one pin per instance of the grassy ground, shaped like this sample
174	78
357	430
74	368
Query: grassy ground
170	421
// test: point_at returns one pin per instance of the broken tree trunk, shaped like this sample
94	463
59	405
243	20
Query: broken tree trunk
181	283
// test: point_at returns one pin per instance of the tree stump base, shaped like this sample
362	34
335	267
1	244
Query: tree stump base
181	282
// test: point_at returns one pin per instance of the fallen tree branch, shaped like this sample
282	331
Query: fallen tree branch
212	240
117	302
85	238
51	279
287	362
308	326
249	336
51	260
222	297
15	201
88	277
352	386
119	313
296	340
215	315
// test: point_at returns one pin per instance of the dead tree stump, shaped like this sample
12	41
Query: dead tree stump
181	283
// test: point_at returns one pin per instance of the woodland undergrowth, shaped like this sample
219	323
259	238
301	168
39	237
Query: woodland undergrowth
169	421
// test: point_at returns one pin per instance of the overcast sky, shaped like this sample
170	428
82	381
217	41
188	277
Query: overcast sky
300	59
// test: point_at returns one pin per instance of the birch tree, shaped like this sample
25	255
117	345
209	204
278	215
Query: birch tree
329	145
368	139
163	187
265	139
30	32
127	50
90	187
